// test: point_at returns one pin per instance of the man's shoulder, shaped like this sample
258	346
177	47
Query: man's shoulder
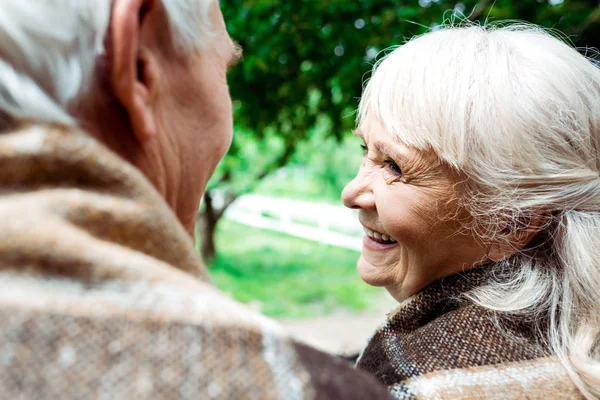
128	339
102	292
67	199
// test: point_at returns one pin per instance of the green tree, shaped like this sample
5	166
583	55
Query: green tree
305	62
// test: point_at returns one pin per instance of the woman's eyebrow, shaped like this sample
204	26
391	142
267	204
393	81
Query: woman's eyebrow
388	149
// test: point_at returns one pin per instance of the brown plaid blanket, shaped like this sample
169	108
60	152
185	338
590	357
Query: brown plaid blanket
102	294
436	345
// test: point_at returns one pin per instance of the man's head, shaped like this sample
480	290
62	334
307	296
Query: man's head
145	77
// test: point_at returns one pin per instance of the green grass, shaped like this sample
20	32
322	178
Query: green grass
286	276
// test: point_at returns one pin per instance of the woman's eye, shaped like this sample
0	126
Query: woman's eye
392	166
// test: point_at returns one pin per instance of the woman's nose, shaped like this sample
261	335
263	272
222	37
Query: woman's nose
358	194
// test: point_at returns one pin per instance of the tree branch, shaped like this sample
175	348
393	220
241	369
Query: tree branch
228	201
283	159
280	161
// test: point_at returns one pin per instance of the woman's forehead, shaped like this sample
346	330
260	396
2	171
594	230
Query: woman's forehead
391	144
373	130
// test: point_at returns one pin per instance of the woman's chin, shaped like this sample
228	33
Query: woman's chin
372	274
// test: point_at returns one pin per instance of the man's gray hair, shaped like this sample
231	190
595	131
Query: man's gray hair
48	51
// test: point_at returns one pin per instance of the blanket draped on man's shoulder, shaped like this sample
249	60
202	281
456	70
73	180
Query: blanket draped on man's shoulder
102	294
437	345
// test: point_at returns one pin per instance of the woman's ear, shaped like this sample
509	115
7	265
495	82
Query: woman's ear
129	63
516	236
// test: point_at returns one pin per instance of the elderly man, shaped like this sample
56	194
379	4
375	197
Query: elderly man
113	117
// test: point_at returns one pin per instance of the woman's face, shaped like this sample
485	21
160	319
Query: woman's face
407	206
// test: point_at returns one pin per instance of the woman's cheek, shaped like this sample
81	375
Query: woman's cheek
409	216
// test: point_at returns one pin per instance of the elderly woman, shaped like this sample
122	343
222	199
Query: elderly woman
479	193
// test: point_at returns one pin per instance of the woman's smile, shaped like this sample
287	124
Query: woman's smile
377	245
374	240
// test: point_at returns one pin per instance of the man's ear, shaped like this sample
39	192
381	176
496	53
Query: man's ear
129	64
516	236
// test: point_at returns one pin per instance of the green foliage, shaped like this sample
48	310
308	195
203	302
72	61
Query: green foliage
306	59
333	163
247	157
287	276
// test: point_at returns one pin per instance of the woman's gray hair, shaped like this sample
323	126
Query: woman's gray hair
517	112
48	50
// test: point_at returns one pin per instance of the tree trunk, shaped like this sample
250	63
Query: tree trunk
207	224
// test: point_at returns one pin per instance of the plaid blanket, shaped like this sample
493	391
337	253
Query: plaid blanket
437	346
102	294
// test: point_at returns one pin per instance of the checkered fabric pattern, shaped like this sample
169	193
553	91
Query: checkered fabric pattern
102	294
437	346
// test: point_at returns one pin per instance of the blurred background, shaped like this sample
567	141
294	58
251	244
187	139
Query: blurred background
271	227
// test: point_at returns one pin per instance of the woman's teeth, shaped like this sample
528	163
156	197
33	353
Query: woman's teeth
379	237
